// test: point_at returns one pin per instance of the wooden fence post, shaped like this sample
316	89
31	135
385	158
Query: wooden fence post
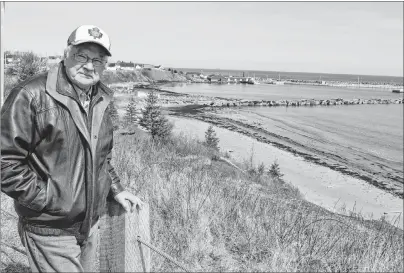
119	249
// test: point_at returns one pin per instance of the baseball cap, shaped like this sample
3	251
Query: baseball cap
90	34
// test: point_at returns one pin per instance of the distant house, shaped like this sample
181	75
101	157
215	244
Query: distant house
159	67
148	66
10	58
193	74
196	75
138	66
112	66
127	66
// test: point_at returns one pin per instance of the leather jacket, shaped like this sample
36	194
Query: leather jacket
56	159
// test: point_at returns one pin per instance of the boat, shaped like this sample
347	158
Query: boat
279	82
398	90
248	81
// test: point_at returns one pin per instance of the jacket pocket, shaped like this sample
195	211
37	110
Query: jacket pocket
39	202
58	199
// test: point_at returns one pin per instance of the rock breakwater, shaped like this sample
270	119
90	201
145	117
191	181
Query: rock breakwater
303	102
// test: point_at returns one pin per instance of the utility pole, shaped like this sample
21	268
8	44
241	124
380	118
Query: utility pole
3	7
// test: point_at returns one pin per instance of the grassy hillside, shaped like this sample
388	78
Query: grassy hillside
213	217
144	75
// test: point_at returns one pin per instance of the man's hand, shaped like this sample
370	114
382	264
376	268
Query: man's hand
128	201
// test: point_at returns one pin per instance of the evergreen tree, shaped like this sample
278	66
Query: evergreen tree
113	113
153	120
211	140
130	115
275	171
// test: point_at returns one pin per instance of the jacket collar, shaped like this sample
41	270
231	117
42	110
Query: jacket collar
60	82
60	88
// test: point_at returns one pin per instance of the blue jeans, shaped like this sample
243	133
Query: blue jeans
60	253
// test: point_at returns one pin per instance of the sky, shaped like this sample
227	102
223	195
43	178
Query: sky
363	38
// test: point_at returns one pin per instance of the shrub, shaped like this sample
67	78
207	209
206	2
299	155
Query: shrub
211	140
29	65
261	169
153	120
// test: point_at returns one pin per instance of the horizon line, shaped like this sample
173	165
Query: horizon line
279	71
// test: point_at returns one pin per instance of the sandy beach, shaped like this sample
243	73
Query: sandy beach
320	185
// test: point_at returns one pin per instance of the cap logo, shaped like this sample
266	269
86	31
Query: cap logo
95	32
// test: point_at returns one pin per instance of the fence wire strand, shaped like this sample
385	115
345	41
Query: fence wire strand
168	257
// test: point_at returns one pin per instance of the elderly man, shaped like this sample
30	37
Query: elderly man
56	142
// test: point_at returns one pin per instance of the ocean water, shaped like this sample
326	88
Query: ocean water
279	92
364	138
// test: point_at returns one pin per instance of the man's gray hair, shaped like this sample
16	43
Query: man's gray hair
67	51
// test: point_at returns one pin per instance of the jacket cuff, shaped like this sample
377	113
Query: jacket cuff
116	188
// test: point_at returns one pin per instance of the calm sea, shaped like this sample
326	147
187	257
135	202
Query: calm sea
279	92
366	137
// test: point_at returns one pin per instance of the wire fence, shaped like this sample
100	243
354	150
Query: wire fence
139	240
161	253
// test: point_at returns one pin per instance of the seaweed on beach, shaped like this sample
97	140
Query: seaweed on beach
332	161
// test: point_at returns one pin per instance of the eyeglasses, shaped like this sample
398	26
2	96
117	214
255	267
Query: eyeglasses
81	58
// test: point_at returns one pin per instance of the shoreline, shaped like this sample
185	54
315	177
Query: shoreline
286	144
203	108
319	184
199	107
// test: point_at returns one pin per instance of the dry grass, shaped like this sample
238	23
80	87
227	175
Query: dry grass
11	260
212	217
